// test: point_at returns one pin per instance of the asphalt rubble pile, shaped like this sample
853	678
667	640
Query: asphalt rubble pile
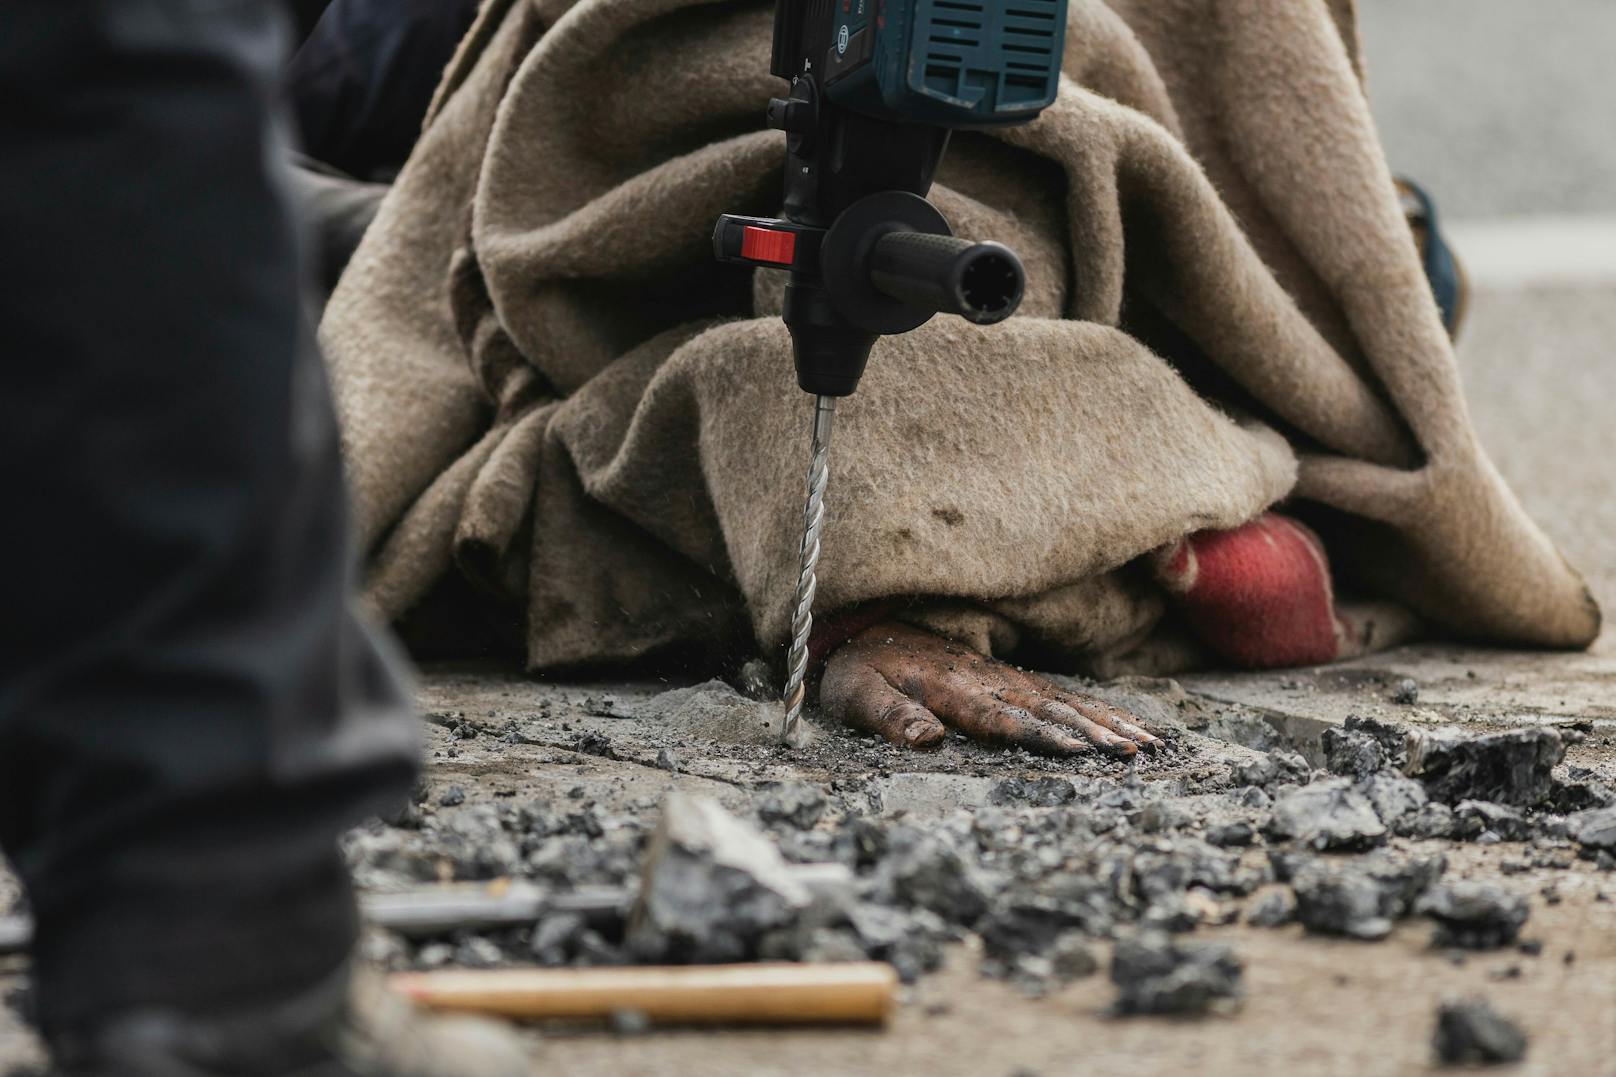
1040	873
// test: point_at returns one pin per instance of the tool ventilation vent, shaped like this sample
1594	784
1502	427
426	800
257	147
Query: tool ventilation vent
807	31
994	56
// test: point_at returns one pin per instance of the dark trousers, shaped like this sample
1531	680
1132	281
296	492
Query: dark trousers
360	85
189	712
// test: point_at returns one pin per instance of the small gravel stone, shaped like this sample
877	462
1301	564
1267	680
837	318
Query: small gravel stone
478	952
1273	909
1470	1031
1033	792
796	804
1473	818
1351	753
1154	974
1430	820
630	1022
596	744
1072	959
1474	915
1237	834
1594	830
1272	768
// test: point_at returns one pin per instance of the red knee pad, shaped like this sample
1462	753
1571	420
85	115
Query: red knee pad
1258	596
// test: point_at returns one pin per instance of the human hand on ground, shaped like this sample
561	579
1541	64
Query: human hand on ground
912	686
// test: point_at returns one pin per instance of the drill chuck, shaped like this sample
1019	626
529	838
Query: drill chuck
981	282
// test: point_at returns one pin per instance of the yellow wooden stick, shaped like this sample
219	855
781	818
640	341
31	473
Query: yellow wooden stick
860	992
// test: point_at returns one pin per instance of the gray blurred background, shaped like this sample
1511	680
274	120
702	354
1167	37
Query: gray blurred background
1505	110
1500	107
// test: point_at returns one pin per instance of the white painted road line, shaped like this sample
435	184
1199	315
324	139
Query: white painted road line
1522	252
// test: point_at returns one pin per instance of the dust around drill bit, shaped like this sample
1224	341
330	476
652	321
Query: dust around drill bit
716	712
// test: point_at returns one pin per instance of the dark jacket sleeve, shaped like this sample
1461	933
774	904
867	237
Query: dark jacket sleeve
360	84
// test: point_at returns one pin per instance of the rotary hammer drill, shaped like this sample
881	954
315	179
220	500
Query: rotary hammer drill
876	88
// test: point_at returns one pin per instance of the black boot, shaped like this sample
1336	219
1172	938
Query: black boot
350	1026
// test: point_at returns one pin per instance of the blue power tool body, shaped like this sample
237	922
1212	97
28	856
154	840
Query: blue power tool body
952	63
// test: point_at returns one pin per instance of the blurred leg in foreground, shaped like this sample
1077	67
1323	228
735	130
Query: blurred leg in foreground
189	711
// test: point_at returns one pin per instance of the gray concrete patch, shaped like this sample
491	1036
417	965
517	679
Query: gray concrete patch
1489	688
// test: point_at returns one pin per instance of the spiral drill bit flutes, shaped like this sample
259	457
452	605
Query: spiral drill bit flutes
802	610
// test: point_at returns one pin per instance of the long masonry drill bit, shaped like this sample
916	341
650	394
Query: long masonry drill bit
802	610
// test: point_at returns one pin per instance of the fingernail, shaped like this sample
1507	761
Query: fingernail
915	730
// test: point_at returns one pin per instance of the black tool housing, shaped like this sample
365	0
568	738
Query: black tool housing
868	254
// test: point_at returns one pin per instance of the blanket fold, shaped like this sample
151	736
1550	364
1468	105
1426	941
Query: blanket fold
548	387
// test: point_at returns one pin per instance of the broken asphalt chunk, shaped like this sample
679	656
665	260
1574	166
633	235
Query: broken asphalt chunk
1033	792
1275	908
598	744
923	870
1508	768
1272	768
1580	795
1432	820
1472	818
1594	830
1342	903
912	942
795	804
1234	834
1327	815
711	887
1027	925
1393	738
1351	753
1072	958
1361	898
1394	797
1474	915
1155	974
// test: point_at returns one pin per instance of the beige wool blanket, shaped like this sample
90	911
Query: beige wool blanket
553	399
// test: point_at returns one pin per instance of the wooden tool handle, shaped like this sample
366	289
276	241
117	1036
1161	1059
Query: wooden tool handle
859	992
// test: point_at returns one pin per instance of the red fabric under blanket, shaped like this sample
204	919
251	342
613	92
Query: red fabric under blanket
1258	596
